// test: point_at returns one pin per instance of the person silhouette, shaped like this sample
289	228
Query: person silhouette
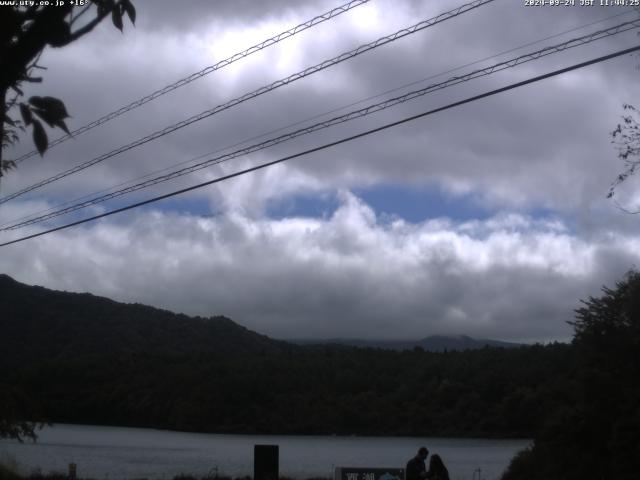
437	470
416	468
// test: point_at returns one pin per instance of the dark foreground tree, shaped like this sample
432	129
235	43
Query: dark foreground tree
597	433
25	31
16	408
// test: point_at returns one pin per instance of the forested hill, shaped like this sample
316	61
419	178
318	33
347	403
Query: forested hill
83	359
78	358
38	323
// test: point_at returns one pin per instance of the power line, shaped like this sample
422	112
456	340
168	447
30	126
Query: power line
300	122
205	71
336	120
585	39
279	83
475	62
332	144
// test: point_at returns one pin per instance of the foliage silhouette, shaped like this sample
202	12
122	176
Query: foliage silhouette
595	432
626	137
25	31
92	360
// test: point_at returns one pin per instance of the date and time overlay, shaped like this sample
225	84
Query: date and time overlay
581	3
526	3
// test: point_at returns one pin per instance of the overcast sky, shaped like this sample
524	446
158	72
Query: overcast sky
489	219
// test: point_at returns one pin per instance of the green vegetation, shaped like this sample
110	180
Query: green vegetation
487	392
41	328
595	431
90	360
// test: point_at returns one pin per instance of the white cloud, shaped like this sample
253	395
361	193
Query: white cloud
509	277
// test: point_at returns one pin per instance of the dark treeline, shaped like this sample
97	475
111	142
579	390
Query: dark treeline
323	390
84	359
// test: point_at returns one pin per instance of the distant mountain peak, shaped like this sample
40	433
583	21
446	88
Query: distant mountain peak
432	343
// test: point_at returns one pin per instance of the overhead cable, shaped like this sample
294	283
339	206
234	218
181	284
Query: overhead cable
232	103
205	71
313	117
373	108
332	144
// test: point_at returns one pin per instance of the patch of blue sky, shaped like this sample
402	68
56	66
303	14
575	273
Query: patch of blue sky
417	204
411	204
321	205
184	204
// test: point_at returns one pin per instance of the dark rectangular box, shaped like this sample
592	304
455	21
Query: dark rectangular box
265	462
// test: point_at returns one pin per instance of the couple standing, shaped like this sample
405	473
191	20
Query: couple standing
417	469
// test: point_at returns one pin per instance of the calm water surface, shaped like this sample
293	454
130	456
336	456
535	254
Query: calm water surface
134	453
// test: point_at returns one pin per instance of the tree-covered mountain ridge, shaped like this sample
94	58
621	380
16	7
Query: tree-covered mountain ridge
45	323
38	323
78	358
580	401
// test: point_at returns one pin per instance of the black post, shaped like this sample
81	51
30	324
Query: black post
265	462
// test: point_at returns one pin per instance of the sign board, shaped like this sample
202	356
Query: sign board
364	473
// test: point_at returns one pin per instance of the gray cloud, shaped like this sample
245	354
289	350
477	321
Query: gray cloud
544	147
348	275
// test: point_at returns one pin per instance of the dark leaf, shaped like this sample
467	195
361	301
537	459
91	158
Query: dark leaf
26	113
63	126
40	137
130	9
104	6
37	102
51	110
56	106
46	116
116	17
53	106
51	120
59	33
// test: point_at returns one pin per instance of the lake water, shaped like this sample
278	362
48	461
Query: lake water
135	453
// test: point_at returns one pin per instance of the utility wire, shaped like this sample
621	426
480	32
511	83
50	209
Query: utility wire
335	121
332	144
205	71
320	115
279	83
